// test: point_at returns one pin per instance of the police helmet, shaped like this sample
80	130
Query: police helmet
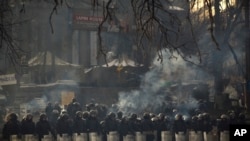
178	117
93	113
224	116
79	114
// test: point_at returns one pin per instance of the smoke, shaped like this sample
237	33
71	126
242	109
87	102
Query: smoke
37	104
62	89
156	85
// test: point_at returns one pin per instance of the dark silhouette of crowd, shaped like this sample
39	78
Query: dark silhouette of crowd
75	120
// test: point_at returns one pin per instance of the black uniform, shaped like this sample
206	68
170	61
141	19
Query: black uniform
111	123
11	127
196	124
57	107
208	124
28	126
147	127
134	124
43	127
79	125
163	124
73	107
93	124
53	120
179	125
48	110
64	125
123	128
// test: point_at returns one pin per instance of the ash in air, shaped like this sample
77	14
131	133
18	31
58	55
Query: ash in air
155	93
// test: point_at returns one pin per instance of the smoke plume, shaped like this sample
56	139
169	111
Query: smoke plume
155	86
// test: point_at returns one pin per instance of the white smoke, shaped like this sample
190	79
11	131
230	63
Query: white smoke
37	104
150	97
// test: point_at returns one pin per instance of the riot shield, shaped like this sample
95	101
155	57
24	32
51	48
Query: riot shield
14	138
47	138
181	136
224	136
209	136
81	137
113	136
64	137
93	136
28	137
195	136
166	136
128	138
139	136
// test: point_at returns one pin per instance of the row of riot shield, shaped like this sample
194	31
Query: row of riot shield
63	137
28	137
200	136
139	136
165	136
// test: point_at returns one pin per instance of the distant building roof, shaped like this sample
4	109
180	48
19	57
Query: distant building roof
45	58
123	61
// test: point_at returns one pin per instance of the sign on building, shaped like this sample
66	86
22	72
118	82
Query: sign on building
86	19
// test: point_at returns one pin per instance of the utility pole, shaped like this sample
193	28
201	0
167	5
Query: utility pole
247	26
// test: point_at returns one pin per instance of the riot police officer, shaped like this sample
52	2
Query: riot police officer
43	127
11	127
79	125
179	127
147	127
93	124
28	125
64	125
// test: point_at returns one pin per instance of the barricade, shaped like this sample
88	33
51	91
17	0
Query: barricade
224	136
181	136
28	137
139	136
166	136
210	136
195	136
47	138
93	136
113	136
64	137
129	138
81	137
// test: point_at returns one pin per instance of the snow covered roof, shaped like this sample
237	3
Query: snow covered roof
124	61
45	58
57	83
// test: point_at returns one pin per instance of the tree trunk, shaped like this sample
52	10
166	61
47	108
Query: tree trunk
218	56
247	26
